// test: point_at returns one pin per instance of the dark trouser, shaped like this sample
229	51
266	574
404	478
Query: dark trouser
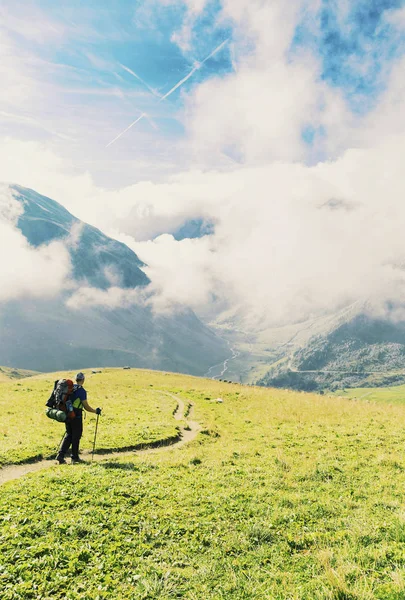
74	430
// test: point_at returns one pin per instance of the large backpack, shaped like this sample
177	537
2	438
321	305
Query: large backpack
59	405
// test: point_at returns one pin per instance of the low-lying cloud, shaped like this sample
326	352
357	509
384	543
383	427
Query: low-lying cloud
26	271
110	299
281	248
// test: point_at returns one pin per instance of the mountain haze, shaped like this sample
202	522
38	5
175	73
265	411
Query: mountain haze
360	350
50	334
92	254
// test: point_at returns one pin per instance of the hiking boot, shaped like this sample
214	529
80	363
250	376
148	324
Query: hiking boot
61	460
77	460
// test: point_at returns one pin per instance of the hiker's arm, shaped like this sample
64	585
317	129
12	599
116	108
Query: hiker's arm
87	407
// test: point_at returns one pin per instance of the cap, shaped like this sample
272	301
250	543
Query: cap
80	376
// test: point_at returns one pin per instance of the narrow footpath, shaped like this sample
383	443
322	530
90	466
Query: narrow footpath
186	434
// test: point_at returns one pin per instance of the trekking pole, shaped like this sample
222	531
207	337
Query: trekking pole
94	443
59	445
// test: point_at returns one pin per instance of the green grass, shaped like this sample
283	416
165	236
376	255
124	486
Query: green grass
282	496
394	394
132	415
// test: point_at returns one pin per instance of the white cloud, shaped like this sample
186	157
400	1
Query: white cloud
36	25
112	298
186	274
259	113
36	165
254	114
10	208
396	18
281	247
388	118
183	37
25	270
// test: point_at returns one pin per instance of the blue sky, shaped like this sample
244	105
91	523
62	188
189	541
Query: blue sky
139	35
79	55
83	50
356	48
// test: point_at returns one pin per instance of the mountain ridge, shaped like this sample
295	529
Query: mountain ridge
46	334
362	351
38	228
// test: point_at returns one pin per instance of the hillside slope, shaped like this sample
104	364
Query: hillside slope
92	254
281	495
361	351
8	373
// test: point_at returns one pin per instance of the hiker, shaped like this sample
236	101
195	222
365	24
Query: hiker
74	427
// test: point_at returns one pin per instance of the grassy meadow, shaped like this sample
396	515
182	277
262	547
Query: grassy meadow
282	495
132	414
389	395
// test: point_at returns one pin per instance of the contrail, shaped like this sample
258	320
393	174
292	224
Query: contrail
180	83
197	67
152	91
127	129
151	122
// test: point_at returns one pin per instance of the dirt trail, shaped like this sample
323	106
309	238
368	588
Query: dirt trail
186	435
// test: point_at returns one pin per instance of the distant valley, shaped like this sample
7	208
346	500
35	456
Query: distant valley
46	334
349	348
